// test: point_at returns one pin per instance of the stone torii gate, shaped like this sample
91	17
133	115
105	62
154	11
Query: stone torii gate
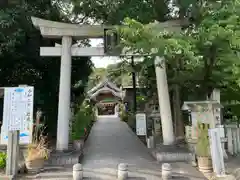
68	33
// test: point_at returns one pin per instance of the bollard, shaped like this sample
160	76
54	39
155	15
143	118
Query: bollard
152	141
193	160
166	171
149	143
77	172
122	171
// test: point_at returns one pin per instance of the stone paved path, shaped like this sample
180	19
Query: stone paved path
112	142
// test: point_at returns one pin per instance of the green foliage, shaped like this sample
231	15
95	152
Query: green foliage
141	99
132	121
20	62
3	158
202	57
122	113
97	75
120	73
114	11
127	117
82	120
202	146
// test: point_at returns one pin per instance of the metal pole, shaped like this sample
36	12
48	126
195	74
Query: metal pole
134	86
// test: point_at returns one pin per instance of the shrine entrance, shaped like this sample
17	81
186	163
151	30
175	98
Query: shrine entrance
106	96
69	33
106	108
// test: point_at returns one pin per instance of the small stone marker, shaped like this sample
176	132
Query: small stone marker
77	172
122	171
12	153
166	171
150	142
193	160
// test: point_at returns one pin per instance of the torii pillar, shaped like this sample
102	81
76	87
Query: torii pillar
164	101
66	32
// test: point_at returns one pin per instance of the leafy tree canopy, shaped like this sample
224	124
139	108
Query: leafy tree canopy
20	62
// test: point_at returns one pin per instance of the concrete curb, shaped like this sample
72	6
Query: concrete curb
5	177
227	177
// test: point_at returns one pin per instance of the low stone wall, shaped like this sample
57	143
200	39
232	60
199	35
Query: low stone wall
70	157
171	154
74	155
5	177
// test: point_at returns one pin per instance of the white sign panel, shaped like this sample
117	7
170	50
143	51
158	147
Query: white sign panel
141	124
18	113
203	117
216	152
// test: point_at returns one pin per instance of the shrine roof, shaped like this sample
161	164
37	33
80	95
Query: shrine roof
105	90
105	83
105	87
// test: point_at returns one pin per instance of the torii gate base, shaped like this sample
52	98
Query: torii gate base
66	32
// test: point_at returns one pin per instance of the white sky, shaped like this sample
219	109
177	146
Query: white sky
102	62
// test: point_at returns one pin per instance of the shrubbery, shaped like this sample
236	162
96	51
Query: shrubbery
82	121
123	114
3	158
127	116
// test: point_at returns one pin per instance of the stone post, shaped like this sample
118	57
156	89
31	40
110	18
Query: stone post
164	102
122	171
12	153
64	111
166	171
116	110
77	172
96	111
150	142
157	126
216	95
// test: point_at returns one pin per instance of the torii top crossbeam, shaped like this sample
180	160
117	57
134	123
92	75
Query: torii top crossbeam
52	29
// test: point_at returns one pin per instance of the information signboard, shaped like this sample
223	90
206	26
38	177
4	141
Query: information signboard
18	113
141	124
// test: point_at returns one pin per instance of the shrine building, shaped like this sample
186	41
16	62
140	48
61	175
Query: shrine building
106	96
